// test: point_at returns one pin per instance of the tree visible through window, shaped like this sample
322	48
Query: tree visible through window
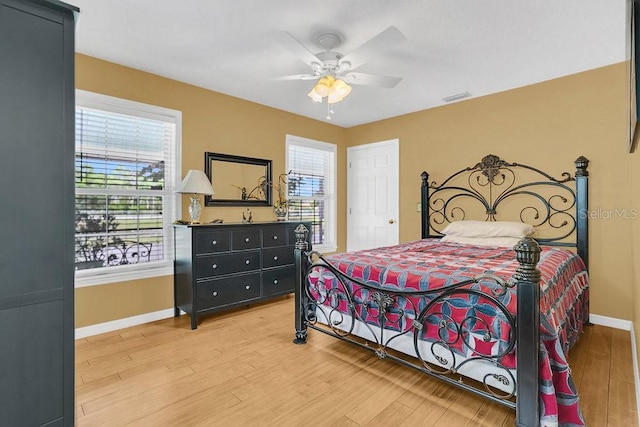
124	188
311	188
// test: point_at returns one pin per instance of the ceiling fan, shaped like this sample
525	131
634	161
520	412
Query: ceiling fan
335	71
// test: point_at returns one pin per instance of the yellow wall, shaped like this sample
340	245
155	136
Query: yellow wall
550	124
97	304
210	122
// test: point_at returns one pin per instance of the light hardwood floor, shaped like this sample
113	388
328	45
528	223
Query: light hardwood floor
241	368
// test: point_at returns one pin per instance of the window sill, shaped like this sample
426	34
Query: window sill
103	276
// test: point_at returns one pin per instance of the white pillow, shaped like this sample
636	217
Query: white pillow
506	242
473	228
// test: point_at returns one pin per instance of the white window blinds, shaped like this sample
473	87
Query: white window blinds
311	187
124	178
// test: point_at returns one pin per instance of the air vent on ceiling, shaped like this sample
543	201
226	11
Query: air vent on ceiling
457	97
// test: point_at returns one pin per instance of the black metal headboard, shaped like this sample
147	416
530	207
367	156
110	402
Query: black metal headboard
557	205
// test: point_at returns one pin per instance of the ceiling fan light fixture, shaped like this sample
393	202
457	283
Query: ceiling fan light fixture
330	88
333	98
314	96
323	87
342	88
331	70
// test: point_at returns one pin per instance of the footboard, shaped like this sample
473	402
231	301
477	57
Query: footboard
431	331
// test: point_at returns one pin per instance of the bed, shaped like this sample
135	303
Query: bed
499	275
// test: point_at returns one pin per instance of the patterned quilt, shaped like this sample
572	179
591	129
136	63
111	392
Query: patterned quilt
430	264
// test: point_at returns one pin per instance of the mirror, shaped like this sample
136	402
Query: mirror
238	181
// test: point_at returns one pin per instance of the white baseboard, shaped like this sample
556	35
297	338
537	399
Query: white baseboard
114	325
611	322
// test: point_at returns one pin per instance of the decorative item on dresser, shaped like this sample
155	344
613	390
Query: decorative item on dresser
195	182
281	204
219	266
247	216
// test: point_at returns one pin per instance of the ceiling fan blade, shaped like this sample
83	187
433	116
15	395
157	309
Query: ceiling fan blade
365	79
386	39
296	77
295	47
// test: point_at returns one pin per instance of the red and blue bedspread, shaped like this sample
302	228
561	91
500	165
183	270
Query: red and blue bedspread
431	264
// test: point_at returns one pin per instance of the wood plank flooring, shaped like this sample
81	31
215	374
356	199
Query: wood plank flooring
241	368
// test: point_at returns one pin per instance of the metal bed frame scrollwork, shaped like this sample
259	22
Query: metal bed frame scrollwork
559	205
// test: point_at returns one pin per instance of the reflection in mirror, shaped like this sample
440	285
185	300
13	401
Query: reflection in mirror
238	181
245	182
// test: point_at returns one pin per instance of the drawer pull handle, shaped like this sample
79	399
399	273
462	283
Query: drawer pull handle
247	262
215	293
247	287
275	237
275	258
275	282
214	266
246	239
215	242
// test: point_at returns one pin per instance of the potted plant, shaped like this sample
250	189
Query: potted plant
281	204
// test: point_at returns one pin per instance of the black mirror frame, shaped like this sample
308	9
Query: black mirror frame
211	201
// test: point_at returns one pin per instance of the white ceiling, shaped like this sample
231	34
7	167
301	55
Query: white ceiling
451	46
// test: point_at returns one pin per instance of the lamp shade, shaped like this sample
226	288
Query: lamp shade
196	182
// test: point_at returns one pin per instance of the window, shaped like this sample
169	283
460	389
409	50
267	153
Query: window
311	188
125	179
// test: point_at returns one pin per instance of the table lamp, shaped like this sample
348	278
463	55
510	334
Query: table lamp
195	182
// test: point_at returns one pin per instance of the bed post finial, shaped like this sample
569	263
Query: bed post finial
424	205
301	237
582	163
528	255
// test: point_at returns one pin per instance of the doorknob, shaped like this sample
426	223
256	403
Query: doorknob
391	221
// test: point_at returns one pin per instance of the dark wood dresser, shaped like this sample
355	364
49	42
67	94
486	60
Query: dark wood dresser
219	266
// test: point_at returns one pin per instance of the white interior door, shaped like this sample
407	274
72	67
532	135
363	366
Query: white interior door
372	195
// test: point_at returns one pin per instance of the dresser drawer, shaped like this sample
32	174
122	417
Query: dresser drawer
227	263
274	257
245	238
230	290
278	281
274	236
212	241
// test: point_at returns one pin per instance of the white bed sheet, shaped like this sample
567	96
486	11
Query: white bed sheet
479	370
